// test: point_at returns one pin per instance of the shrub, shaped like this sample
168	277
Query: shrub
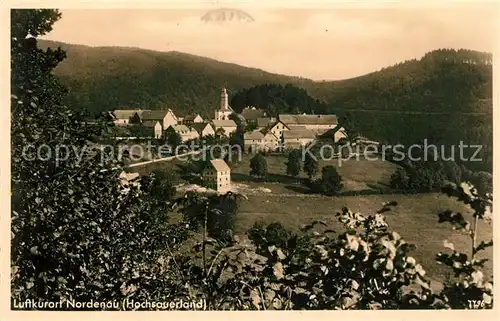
331	181
310	166
258	166
293	164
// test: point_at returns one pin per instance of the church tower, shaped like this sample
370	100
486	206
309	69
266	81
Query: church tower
224	104
225	110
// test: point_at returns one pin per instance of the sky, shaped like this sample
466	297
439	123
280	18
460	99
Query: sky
326	44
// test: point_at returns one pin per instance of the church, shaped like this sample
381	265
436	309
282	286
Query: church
225	110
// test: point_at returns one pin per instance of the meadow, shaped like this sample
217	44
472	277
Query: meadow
366	188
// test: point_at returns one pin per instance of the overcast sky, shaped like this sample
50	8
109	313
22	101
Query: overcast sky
317	44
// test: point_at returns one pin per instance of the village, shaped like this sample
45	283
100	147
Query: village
271	134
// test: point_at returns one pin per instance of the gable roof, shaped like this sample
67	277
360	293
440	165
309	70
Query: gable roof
199	127
150	123
125	113
224	123
252	113
332	131
153	114
264	122
181	128
219	165
256	134
308	119
299	133
191	117
280	122
270	135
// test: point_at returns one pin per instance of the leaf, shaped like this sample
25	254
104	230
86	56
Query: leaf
280	254
477	277
255	297
483	245
352	242
269	294
278	270
277	304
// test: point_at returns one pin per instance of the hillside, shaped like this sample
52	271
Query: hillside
444	97
106	78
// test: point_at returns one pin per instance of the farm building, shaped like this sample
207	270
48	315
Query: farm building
218	176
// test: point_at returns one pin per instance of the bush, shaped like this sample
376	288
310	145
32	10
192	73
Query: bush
331	181
258	166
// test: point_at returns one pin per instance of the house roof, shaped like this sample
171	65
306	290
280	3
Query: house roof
308	119
224	123
264	122
280	122
299	133
191	117
256	134
181	128
219	165
199	127
270	135
125	113
150	123
252	113
153	114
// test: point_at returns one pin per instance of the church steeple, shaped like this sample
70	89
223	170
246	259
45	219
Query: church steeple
224	104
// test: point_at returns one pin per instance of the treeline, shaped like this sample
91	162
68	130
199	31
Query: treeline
276	99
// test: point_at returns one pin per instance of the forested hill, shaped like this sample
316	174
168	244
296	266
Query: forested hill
106	78
276	99
444	97
443	80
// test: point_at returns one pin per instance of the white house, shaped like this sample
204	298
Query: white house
297	137
225	110
123	116
228	125
192	119
253	141
218	176
166	118
318	123
203	129
156	126
278	128
335	134
185	132
270	142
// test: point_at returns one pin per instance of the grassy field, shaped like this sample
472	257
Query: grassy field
415	216
357	175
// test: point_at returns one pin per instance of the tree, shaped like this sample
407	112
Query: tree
236	139
76	230
400	179
258	166
331	181
173	138
310	166
159	184
293	163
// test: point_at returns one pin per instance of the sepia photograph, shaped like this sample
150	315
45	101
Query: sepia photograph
247	158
